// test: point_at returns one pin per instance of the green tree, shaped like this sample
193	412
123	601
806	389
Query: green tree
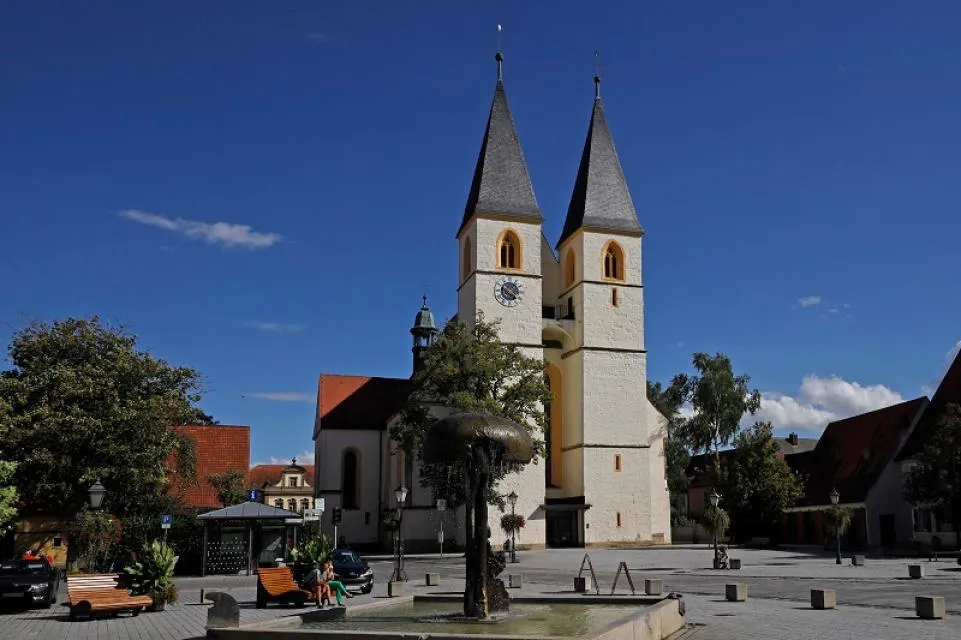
719	400
229	486
86	403
935	477
470	370
677	455
9	497
756	484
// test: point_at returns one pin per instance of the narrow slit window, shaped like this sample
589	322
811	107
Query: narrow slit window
618	519
617	462
615	299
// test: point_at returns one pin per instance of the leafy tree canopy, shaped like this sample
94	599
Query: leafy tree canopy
668	402
756	484
8	492
229	486
935	477
86	403
719	399
470	370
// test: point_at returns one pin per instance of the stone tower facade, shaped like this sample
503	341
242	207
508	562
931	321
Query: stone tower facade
581	309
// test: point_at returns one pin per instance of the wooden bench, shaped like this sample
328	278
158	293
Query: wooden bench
102	593
277	584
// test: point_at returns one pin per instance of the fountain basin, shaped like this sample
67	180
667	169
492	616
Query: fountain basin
440	616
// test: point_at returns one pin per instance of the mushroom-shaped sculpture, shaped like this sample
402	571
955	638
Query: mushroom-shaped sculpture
478	440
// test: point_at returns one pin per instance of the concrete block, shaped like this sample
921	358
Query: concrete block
929	607
824	598
515	580
857	561
432	579
915	571
653	587
582	585
735	592
735	563
395	589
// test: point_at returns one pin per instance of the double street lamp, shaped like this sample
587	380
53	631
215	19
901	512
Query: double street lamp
512	501
835	497
400	494
715	499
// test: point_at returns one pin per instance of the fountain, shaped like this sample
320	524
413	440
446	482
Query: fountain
479	441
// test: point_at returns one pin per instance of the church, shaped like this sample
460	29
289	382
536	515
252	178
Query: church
579	306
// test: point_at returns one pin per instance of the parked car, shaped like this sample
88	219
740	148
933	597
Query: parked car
352	570
31	582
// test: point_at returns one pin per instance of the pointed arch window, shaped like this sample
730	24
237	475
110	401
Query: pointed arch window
570	267
613	261
508	250
466	265
349	497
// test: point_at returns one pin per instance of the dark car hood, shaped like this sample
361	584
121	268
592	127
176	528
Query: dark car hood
9	581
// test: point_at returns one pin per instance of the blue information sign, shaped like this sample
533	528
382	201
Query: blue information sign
166	520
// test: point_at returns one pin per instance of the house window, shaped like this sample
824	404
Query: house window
304	504
279	503
291	505
617	462
292	481
509	251
613	261
349	497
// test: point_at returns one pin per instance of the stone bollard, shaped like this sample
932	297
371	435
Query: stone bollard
432	579
915	571
735	563
653	587
735	592
929	607
824	598
857	561
395	589
515	580
582	584
225	613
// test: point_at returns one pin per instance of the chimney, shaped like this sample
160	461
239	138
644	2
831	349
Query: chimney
792	438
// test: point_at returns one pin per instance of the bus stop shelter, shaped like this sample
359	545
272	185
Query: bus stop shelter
249	513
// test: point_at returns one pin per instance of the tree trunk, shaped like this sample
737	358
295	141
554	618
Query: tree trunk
475	591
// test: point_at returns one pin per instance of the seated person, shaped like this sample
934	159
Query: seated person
722	559
315	583
333	584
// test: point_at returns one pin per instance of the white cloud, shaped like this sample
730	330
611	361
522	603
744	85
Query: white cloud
304	457
275	327
281	396
823	400
225	234
949	357
808	301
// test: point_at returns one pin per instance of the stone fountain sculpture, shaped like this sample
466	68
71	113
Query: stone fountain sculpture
479	441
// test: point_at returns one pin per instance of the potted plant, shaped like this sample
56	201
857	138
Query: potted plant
310	554
152	573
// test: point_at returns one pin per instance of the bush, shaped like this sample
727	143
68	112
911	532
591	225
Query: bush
512	522
152	573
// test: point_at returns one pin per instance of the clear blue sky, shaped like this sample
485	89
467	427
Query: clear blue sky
776	151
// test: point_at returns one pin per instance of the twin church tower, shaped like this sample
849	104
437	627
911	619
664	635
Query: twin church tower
580	307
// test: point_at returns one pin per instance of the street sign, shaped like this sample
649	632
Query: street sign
294	521
319	504
312	515
441	505
337	515
253	495
166	520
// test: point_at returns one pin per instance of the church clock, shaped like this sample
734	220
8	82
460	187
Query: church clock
508	291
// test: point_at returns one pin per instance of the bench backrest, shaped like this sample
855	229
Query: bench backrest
277	578
95	581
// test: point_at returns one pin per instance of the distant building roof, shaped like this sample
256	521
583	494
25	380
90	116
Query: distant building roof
793	445
249	511
358	402
262	475
852	453
788	446
948	391
220	448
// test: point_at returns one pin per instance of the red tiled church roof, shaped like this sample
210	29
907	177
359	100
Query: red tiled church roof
219	448
358	402
852	453
948	391
269	474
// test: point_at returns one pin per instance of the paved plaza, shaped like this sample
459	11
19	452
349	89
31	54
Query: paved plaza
874	601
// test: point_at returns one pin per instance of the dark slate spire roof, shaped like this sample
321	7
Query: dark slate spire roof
501	183
601	199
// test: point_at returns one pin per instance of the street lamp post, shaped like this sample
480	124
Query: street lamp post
715	498
95	495
835	497
400	494
512	500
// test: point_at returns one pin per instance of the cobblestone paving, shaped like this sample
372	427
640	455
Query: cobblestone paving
875	601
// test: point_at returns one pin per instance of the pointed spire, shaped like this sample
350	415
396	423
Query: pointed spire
600	200
501	182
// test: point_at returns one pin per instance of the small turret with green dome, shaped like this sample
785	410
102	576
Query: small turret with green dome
425	333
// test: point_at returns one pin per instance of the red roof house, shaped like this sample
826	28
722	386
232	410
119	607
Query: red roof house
219	448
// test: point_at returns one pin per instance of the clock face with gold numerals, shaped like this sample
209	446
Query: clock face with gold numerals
509	291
